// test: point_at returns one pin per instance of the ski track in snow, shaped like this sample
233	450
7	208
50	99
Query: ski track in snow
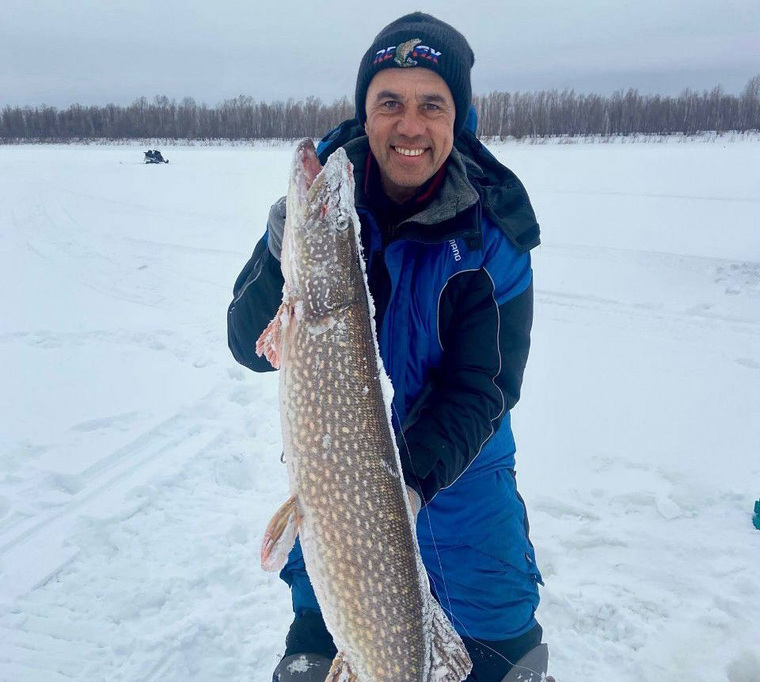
139	464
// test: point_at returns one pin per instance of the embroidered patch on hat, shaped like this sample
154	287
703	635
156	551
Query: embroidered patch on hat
402	57
407	53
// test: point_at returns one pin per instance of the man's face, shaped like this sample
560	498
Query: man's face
410	125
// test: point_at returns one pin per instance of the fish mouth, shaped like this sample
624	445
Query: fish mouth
320	191
332	180
309	166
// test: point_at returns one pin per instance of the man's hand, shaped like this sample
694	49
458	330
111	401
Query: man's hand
276	227
414	501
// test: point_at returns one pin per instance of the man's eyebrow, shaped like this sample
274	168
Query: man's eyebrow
387	94
433	99
428	99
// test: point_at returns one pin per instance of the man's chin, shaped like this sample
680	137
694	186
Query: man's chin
410	180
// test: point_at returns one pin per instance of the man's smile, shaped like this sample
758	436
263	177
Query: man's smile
407	151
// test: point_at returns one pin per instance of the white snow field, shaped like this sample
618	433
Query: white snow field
139	464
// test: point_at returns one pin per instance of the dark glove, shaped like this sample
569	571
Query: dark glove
276	227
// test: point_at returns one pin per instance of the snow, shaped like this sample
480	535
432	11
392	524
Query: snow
299	665
140	465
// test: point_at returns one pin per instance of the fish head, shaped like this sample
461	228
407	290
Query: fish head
320	244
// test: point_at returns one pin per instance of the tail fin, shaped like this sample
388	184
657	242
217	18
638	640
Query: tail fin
448	658
341	670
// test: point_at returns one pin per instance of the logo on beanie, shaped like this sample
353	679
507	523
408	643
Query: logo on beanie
402	57
407	53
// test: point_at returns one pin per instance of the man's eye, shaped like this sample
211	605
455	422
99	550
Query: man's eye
390	104
429	106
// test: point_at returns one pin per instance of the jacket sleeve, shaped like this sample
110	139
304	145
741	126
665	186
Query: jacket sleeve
257	295
485	349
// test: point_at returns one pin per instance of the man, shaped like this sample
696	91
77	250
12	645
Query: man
446	232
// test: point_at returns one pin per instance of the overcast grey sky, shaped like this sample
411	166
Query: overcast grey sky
98	51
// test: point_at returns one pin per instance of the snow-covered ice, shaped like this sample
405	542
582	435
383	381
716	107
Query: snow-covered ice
139	464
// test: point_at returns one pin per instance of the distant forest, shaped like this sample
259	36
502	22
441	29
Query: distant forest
546	113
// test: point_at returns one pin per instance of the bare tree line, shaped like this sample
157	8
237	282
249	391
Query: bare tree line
553	113
539	114
241	118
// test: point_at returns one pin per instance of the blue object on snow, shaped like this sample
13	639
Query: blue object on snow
756	517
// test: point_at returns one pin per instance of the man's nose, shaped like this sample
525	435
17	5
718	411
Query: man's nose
412	123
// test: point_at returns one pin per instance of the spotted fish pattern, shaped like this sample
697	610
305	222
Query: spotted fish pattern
349	501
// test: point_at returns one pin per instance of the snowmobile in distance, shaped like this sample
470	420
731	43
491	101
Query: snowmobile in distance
154	156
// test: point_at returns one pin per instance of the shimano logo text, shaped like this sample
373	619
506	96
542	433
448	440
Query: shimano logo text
455	250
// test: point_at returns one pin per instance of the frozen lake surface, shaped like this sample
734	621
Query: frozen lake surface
139	464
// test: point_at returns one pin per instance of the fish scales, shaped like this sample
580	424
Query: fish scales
362	563
353	514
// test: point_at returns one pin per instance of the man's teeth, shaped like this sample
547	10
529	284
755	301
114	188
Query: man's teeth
409	152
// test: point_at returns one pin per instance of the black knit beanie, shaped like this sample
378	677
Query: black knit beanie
419	39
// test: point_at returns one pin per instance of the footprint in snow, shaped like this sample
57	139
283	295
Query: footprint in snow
744	667
240	396
232	471
70	484
668	509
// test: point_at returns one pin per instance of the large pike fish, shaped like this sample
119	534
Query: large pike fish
349	502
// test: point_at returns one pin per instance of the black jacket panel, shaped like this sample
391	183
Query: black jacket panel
257	295
485	353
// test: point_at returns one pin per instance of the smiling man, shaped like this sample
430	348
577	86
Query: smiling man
410	128
447	232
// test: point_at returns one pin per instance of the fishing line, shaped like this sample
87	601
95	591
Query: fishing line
440	563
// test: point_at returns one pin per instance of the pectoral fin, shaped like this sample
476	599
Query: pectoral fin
269	343
280	536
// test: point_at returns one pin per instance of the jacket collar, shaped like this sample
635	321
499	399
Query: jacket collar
452	212
502	196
